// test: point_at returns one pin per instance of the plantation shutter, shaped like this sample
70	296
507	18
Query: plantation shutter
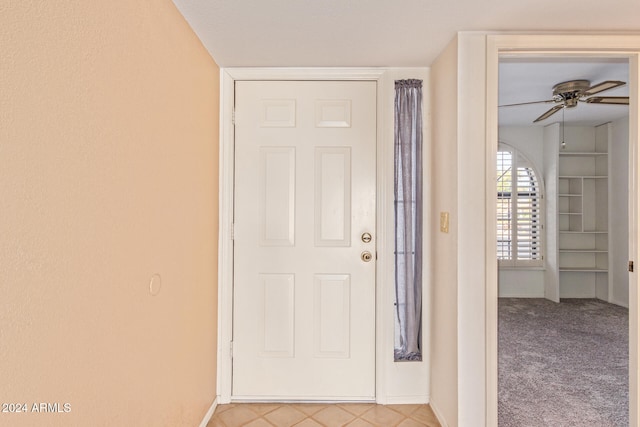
528	228
504	206
519	210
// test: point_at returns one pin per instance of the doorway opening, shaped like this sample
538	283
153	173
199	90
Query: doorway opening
567	241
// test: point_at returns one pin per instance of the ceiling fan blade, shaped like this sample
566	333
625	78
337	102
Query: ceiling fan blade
528	103
601	87
616	100
549	113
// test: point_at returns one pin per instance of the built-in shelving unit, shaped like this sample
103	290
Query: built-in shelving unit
583	229
585	174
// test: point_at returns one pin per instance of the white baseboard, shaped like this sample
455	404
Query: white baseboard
520	295
621	304
209	414
438	414
406	400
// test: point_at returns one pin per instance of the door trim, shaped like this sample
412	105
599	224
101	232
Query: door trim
568	45
225	267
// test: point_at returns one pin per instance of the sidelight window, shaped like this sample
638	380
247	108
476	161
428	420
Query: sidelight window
408	219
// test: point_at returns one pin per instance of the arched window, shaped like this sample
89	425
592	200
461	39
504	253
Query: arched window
519	207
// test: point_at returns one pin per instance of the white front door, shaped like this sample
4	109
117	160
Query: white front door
305	195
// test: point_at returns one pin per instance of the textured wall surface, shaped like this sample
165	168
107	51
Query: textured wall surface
108	176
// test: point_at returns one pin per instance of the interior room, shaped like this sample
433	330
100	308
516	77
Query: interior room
563	241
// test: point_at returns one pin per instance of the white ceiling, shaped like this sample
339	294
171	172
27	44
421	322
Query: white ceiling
362	33
411	33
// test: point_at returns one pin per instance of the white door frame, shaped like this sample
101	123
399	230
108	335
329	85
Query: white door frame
384	219
566	45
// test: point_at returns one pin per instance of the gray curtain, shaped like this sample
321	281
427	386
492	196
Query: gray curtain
408	219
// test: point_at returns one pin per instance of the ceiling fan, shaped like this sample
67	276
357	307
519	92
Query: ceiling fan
568	94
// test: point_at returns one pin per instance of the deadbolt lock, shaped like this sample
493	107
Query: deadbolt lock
366	256
366	237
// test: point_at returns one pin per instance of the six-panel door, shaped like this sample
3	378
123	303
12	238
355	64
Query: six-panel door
304	296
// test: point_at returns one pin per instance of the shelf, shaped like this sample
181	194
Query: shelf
582	232
582	216
581	153
583	177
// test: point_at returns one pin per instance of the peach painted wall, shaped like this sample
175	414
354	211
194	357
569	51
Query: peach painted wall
108	176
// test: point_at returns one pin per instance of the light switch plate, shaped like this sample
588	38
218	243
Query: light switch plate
444	222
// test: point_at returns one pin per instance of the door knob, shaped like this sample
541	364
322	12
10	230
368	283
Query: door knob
366	256
366	237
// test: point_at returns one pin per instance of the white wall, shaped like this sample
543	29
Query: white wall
527	139
619	195
520	283
459	270
444	277
406	382
472	254
551	143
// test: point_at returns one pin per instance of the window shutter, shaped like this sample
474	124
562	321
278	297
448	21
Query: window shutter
528	228
519	210
504	205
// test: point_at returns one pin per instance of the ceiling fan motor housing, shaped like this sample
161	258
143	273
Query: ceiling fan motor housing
570	92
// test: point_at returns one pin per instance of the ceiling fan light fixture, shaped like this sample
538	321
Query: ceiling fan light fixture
571	102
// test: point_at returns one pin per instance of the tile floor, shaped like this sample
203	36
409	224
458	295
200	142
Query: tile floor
319	415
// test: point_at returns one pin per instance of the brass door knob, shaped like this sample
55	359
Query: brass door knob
366	256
